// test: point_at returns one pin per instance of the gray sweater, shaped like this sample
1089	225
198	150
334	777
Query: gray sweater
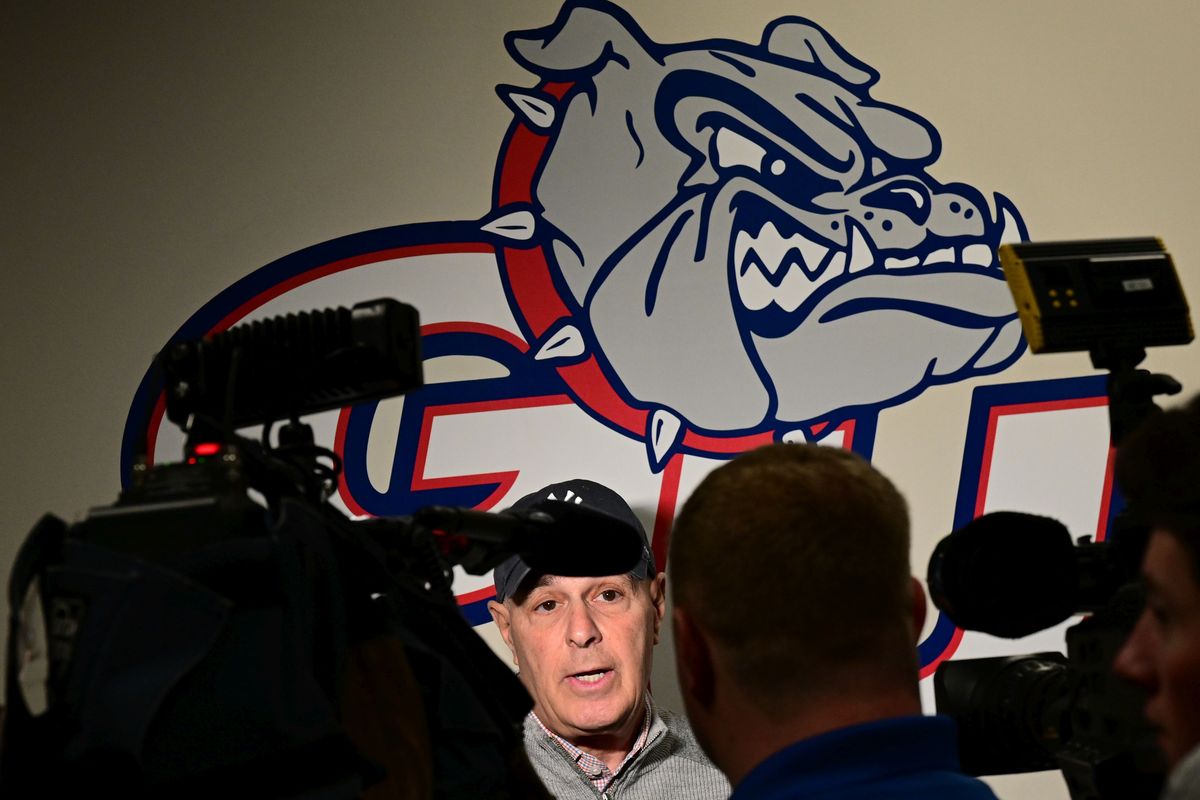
670	766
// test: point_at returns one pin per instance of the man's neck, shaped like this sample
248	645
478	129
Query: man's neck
613	747
612	750
749	742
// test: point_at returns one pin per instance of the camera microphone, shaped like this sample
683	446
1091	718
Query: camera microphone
1008	574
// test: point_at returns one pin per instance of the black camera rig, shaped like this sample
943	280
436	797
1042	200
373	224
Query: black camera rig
202	635
1012	574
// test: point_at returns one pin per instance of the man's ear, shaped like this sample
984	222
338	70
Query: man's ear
499	612
658	597
693	660
918	607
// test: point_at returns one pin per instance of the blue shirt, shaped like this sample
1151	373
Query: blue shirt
903	757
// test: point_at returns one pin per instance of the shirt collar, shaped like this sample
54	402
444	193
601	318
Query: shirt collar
595	769
860	753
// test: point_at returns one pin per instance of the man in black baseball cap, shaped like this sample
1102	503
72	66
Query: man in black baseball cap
583	647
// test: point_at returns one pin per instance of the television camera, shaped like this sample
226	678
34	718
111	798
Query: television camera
1011	574
223	630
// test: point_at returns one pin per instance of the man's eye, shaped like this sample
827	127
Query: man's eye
610	595
547	605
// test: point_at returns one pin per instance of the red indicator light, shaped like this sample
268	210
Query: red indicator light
207	449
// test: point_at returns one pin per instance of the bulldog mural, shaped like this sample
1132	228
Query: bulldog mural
691	249
741	235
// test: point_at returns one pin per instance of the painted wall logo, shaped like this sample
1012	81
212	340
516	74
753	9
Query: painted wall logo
691	250
739	236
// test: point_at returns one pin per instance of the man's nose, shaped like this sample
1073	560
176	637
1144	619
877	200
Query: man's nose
582	630
1135	659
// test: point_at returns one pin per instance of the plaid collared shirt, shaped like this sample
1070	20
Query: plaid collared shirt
595	769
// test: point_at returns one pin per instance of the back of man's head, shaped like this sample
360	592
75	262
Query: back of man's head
794	559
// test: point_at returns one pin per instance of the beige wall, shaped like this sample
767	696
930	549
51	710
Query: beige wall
153	153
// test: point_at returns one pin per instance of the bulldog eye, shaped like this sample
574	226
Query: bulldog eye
776	170
735	150
794	181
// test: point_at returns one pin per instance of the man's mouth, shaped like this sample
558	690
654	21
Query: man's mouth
590	677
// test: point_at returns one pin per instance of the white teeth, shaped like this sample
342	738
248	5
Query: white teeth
590	677
943	256
901	263
981	254
812	252
1012	231
837	264
861	256
741	245
753	287
770	252
796	287
771	247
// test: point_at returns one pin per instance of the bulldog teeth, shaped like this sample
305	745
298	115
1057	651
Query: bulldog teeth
794	289
812	252
836	265
980	254
774	250
1012	229
754	289
771	247
861	254
943	256
901	263
805	263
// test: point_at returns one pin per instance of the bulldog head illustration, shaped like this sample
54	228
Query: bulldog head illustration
750	239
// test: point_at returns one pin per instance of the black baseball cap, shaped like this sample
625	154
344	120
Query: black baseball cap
591	495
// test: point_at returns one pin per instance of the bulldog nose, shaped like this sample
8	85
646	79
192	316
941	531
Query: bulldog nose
904	195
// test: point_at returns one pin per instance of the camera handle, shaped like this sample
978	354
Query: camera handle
1131	391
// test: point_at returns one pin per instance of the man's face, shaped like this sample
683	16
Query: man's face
1162	653
583	647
